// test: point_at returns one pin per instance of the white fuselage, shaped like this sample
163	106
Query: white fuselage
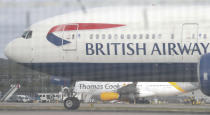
149	35
118	44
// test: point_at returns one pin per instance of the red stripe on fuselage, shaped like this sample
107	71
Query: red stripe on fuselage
83	26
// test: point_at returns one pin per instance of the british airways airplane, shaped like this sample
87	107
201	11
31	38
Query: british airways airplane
162	44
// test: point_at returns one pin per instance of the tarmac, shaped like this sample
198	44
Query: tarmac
92	113
102	109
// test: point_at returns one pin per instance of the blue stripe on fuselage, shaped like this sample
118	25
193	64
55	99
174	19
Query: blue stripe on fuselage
56	40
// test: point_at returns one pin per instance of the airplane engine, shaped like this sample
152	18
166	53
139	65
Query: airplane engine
109	96
204	74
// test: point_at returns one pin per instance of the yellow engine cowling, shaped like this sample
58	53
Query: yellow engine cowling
108	96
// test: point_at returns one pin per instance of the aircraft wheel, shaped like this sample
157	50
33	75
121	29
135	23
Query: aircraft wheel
71	103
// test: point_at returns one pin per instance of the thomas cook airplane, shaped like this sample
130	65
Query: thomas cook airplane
128	91
122	43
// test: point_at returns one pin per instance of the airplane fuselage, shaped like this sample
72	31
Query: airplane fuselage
118	44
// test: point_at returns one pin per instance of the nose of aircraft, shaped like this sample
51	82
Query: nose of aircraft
19	50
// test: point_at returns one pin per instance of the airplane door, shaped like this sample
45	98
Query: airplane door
189	32
69	41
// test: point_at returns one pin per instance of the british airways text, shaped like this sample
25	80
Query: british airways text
145	49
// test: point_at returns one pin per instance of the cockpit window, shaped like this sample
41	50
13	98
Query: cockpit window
27	34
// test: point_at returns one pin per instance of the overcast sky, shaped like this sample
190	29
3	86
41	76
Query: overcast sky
13	12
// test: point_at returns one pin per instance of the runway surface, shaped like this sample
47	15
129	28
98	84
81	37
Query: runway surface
93	113
103	109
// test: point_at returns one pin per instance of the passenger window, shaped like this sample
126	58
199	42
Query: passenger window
204	36
134	36
109	36
97	36
172	36
115	36
128	36
140	36
122	36
91	36
153	36
147	36
103	36
193	36
159	36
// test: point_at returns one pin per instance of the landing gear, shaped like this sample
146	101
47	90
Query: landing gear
71	103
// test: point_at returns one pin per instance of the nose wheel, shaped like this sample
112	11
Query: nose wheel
71	103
